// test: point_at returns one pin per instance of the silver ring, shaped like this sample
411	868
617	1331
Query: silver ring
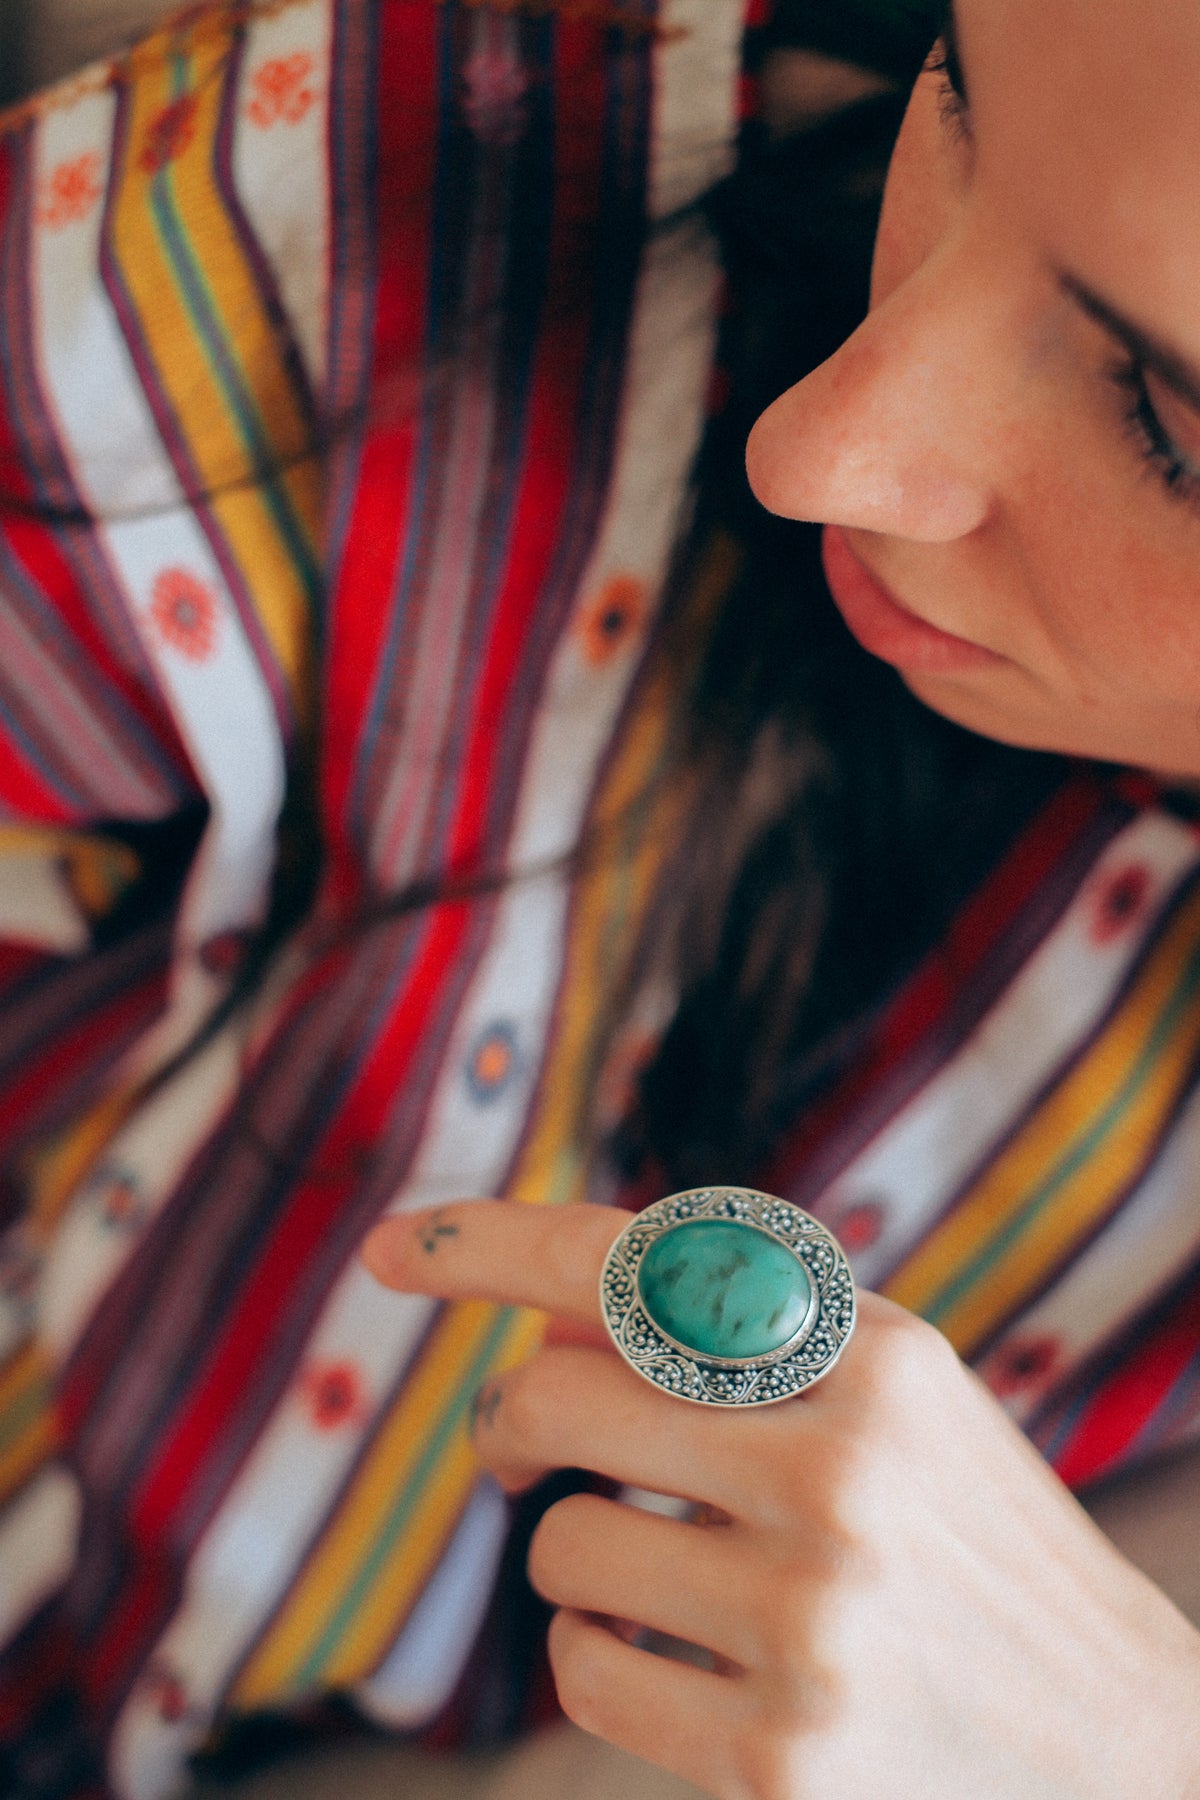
728	1297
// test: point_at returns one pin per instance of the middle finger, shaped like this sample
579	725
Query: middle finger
575	1408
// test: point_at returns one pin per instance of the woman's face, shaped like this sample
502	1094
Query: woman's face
1007	451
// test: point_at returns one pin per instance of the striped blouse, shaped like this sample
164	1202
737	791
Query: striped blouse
353	359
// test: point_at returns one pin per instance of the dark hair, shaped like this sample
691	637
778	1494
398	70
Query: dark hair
840	822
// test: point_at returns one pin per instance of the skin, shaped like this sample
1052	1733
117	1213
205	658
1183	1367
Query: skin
897	1596
969	436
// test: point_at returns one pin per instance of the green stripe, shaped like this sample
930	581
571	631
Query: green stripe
1084	1147
326	1645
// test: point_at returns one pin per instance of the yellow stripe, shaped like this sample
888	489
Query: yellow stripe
632	827
28	1426
100	869
424	1538
631	830
218	447
55	1170
419	1411
1063	1120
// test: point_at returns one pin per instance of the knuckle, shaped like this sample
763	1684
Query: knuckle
800	1626
785	1748
905	1364
573	1664
783	1617
524	1403
555	1543
801	1485
860	1462
770	1473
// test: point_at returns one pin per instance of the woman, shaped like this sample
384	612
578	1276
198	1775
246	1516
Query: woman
1007	454
264	1491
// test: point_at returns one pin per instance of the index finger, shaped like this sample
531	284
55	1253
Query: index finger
545	1257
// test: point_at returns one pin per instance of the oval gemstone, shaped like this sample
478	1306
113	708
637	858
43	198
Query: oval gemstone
724	1289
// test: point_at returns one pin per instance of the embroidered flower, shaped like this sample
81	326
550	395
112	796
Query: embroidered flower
1119	902
616	613
185	612
334	1394
169	134
122	1208
223	954
167	1693
1021	1364
492	1062
280	91
860	1226
70	191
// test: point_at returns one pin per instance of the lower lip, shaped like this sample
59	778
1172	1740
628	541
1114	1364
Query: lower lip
884	627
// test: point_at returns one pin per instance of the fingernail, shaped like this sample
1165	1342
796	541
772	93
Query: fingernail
378	1253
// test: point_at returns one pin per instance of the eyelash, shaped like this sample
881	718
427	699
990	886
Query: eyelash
1153	443
1179	479
952	99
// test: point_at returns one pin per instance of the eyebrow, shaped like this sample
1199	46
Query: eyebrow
1144	345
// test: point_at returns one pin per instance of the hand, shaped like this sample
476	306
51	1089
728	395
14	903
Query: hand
901	1600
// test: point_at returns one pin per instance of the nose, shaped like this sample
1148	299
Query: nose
892	434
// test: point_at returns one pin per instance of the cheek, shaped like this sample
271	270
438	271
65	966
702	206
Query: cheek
1122	606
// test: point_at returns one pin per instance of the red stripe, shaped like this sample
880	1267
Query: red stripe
298	1235
558	377
1115	1416
380	517
22	789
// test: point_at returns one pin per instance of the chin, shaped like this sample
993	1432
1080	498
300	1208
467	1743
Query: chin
1029	728
1022	728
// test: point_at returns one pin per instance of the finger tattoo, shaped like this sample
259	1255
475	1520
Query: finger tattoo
435	1230
485	1403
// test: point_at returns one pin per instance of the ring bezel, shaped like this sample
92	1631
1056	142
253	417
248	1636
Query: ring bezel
711	1380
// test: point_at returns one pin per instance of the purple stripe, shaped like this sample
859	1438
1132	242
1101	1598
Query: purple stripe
353	153
616	261
67	725
55	998
135	775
